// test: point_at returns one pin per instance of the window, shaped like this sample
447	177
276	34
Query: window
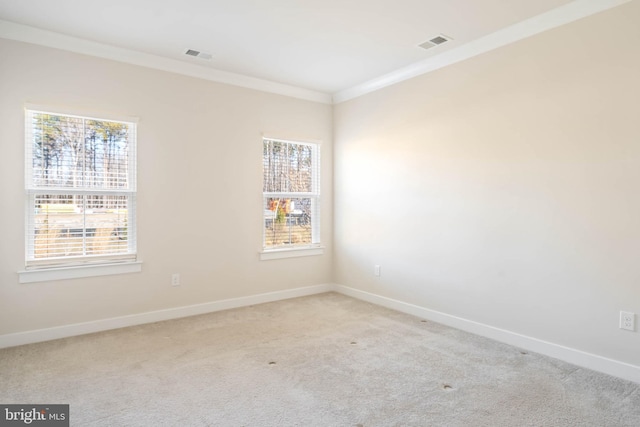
80	190
291	194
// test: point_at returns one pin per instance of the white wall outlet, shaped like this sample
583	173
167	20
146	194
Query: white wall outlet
175	279
376	270
627	321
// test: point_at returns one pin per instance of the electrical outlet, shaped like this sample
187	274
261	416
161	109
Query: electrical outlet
175	279
376	270
627	321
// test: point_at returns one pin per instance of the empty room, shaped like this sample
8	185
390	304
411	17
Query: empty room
320	213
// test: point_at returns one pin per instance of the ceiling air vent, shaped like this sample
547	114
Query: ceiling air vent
438	40
198	54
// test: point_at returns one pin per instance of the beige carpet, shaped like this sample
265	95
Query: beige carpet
325	360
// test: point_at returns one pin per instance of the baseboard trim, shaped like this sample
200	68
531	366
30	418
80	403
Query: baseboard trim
577	357
39	335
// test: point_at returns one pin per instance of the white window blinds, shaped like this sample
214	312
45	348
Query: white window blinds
291	194
80	189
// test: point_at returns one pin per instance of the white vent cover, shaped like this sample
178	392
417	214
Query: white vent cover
435	41
197	54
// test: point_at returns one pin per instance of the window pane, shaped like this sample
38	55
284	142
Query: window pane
76	152
57	150
106	155
287	167
79	225
107	224
287	222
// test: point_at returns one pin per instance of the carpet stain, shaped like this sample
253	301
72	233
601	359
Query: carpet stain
272	363
353	343
447	387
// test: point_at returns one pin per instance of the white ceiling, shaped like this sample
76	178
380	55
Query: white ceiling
327	46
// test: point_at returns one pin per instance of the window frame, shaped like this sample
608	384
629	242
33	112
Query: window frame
64	267
309	249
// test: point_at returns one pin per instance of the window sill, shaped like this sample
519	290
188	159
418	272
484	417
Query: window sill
290	252
75	272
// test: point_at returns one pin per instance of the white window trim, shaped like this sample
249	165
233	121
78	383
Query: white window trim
304	250
76	272
81	268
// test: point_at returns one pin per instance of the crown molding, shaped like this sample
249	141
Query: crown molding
27	34
557	17
554	18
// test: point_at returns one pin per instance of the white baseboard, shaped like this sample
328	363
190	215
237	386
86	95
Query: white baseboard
39	335
570	355
577	357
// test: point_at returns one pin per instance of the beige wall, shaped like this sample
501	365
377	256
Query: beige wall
199	186
504	189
